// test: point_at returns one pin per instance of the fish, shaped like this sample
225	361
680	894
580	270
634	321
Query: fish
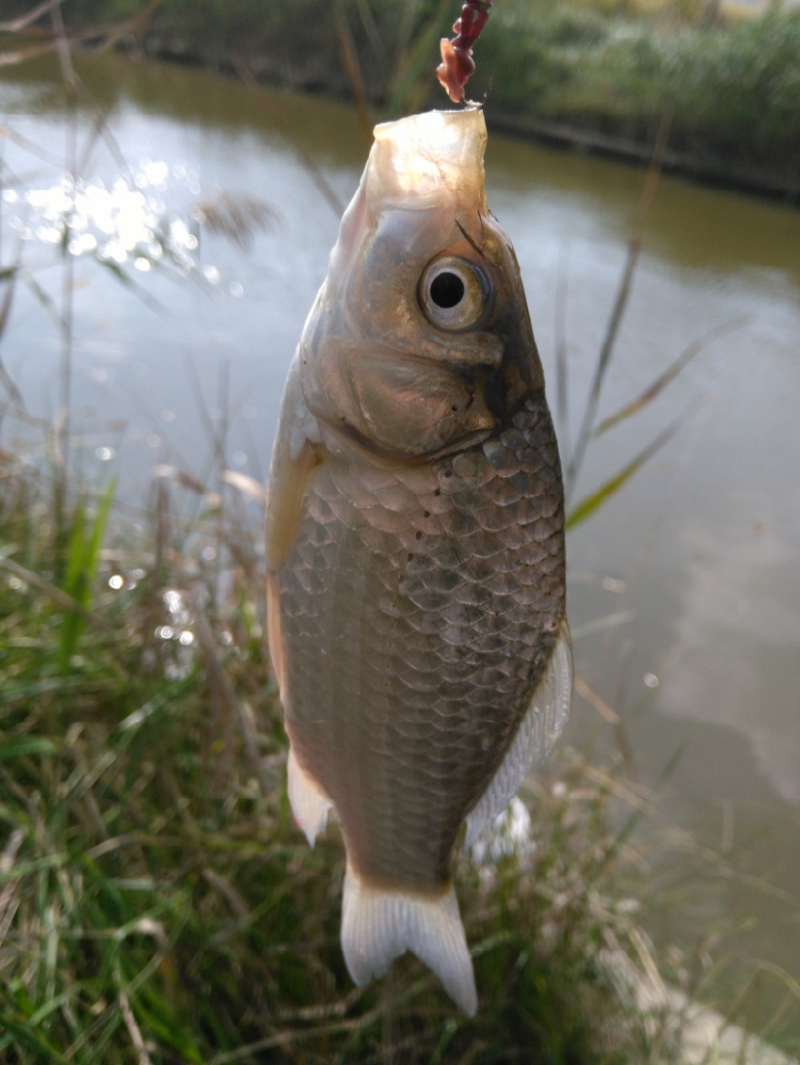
415	546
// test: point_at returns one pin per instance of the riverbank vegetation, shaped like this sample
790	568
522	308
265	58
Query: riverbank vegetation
157	902
569	71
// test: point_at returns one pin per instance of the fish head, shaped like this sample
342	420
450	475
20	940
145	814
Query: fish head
420	340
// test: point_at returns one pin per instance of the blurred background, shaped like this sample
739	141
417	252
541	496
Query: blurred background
170	188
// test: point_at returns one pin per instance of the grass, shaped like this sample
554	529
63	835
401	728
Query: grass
157	903
733	90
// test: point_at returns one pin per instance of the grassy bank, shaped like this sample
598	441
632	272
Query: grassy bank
157	903
596	70
733	91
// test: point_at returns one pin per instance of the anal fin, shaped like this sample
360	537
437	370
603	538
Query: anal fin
535	738
309	805
378	925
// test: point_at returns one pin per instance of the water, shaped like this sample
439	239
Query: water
685	589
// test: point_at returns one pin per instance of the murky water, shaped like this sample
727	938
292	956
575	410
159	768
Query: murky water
685	589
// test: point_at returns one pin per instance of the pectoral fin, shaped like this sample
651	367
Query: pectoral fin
296	455
536	737
288	483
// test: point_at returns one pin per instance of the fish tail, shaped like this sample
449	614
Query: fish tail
378	925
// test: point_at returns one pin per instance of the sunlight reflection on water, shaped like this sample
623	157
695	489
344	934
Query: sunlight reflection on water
125	219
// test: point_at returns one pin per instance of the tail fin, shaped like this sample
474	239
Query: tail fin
379	925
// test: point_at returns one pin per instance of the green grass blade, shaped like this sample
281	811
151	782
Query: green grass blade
671	372
35	866
28	745
45	1051
82	562
414	73
98	531
591	503
75	553
74	586
55	1003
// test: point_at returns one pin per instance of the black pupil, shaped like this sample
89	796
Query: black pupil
447	289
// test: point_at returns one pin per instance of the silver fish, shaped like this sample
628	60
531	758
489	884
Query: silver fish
415	545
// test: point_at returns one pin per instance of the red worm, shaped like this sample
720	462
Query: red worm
457	63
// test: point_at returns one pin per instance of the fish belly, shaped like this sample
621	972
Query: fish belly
419	609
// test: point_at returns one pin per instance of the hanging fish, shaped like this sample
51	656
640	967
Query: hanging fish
415	545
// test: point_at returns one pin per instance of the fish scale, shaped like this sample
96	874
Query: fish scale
418	653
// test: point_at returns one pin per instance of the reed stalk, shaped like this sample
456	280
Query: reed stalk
618	309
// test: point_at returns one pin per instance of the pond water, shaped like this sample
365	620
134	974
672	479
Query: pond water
684	589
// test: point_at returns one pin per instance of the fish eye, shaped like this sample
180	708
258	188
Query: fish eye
453	293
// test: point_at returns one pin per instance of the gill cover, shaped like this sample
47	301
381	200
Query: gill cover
420	337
